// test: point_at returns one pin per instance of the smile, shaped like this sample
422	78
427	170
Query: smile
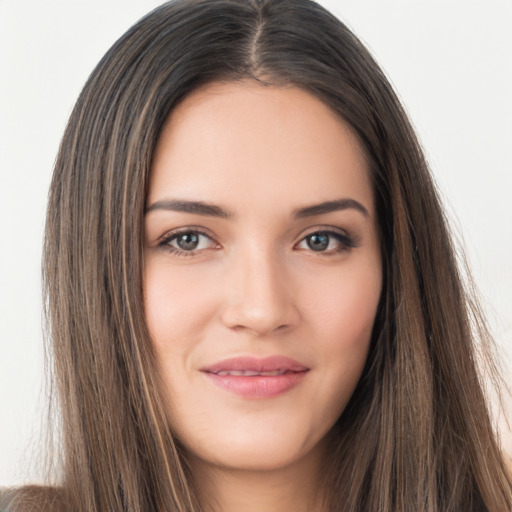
255	378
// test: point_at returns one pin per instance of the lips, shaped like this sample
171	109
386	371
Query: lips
252	377
251	373
258	365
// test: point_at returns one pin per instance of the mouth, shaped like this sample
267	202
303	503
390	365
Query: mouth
255	378
251	373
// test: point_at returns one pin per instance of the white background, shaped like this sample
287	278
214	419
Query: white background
450	61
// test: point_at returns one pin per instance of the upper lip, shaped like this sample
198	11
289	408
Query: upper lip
256	364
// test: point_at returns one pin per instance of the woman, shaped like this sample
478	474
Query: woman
247	305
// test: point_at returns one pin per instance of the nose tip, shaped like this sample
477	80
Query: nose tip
255	320
259	300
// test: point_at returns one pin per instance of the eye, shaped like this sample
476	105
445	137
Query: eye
327	242
187	242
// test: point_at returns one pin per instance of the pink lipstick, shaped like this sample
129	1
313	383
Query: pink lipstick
253	377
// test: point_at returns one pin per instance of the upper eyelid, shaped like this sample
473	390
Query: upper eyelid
187	229
326	229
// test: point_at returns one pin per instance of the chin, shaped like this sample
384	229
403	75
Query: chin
261	449
253	458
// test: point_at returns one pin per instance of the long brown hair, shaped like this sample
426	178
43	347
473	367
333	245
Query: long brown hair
416	435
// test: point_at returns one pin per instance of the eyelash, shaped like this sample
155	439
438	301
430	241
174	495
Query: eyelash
346	241
167	239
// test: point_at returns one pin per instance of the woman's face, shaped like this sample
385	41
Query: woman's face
262	272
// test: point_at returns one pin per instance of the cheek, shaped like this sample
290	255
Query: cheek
177	306
342	315
344	304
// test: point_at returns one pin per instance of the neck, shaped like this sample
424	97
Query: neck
294	488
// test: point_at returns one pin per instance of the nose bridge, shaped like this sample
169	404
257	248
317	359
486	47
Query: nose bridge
259	298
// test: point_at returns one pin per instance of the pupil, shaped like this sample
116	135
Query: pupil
188	241
318	242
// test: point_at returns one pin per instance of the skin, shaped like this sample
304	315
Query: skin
255	286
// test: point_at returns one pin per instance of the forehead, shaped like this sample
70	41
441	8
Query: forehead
247	145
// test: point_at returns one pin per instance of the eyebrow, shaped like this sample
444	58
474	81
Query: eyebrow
330	206
212	210
197	207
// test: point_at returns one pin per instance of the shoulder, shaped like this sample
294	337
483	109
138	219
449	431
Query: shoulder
31	498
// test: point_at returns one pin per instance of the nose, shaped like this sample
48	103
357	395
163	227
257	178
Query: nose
259	296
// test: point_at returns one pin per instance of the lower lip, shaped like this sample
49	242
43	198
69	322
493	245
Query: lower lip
257	386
